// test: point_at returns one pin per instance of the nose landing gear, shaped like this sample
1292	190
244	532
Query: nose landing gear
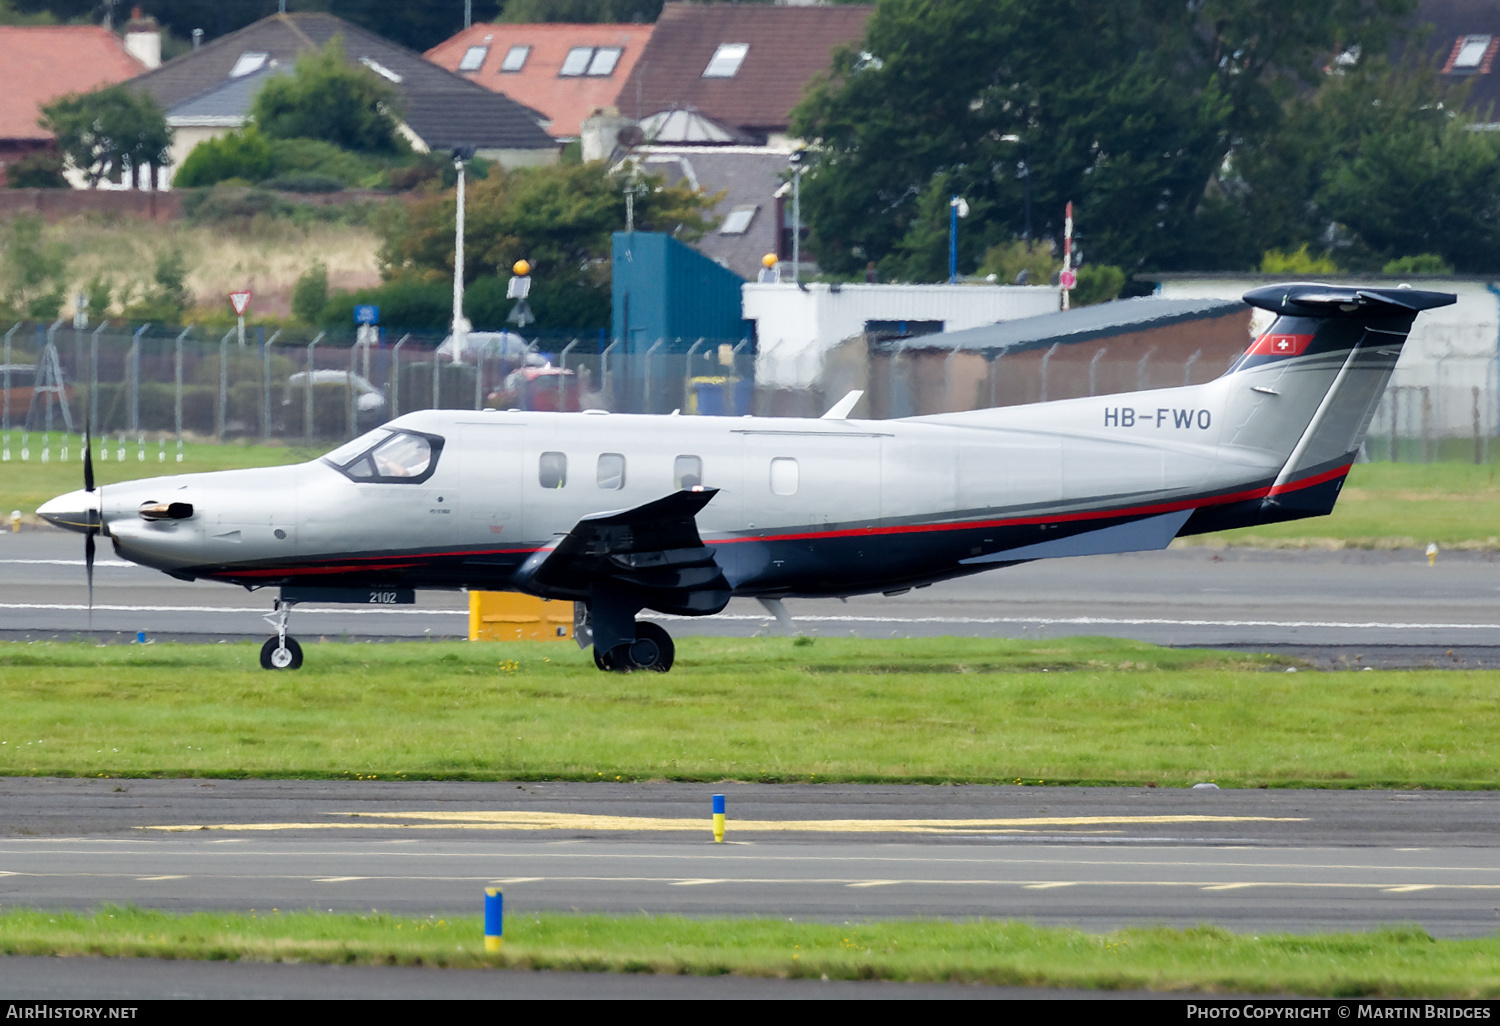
652	649
281	652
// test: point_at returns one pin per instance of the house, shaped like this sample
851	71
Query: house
564	71
713	95
744	65
1461	38
749	214
39	64
209	91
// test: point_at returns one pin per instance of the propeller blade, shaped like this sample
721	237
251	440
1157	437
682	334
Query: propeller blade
88	563
88	459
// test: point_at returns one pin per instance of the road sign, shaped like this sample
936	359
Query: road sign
240	300
1068	279
365	314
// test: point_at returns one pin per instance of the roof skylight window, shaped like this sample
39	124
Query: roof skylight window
605	59
1471	53
473	58
577	61
380	69
515	58
249	63
738	221
726	60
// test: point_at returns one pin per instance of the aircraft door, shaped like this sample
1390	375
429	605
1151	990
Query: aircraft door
491	458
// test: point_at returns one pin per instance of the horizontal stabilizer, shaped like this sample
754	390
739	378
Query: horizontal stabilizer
1314	300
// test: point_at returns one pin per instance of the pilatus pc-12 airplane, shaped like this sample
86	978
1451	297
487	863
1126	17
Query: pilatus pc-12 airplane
620	513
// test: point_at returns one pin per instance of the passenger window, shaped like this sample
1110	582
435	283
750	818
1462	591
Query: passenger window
611	471
784	476
552	471
687	471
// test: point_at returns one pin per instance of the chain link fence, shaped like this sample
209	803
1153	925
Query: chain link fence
289	387
156	387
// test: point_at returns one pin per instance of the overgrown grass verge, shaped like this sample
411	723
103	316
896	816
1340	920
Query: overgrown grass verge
930	710
1396	962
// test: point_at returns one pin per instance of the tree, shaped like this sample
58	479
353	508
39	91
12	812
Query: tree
327	98
107	131
558	218
416	25
40	170
1128	109
244	154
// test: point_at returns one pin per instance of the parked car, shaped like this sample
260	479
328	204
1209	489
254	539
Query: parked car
538	388
369	401
505	346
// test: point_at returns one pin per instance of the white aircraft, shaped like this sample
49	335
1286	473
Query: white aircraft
621	513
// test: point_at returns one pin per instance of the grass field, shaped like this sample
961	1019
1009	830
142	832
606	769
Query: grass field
1397	962
766	709
26	485
1385	505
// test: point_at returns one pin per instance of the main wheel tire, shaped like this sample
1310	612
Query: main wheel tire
274	657
653	637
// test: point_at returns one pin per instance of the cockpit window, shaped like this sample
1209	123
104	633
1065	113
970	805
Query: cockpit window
394	456
341	456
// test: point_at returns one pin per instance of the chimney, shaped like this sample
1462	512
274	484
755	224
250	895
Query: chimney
143	39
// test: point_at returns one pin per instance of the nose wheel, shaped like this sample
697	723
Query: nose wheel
652	649
282	651
281	654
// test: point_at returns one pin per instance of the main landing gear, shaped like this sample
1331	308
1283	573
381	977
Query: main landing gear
652	649
282	651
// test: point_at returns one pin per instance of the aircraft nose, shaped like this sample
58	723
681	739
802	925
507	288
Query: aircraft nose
76	511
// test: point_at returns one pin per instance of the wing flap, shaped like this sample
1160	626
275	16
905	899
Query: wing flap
651	553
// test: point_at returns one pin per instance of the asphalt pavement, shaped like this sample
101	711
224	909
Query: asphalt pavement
1388	607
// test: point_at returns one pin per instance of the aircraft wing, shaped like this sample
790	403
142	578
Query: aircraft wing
652	552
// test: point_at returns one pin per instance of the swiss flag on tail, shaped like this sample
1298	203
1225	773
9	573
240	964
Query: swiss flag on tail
1271	344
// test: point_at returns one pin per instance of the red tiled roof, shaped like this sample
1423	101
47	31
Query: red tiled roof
39	63
564	100
787	47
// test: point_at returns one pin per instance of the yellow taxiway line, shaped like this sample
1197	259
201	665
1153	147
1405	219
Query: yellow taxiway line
422	820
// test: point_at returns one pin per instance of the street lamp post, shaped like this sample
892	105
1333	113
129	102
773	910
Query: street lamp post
797	168
957	207
461	155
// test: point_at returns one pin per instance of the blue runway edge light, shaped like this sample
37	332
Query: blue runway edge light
718	818
494	918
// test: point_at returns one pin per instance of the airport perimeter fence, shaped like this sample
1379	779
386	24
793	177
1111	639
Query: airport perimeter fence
169	385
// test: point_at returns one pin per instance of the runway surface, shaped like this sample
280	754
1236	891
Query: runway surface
1310	602
1099	858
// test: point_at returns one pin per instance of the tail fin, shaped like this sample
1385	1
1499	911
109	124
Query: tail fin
1305	392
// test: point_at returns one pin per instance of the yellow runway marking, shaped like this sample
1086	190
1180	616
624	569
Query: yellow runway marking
423	820
1409	888
1230	886
1049	886
338	879
147	879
